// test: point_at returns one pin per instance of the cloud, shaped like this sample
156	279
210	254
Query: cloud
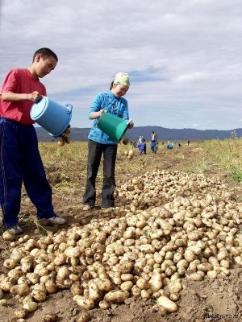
192	77
150	74
183	57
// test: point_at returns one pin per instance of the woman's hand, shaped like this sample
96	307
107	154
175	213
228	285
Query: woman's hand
96	115
101	112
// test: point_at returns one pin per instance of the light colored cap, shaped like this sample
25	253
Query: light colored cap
122	79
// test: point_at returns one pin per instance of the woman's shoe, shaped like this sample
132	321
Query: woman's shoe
87	207
57	220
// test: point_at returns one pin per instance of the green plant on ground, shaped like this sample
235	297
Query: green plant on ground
236	175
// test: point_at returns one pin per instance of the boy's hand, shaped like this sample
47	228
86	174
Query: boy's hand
65	137
67	131
34	96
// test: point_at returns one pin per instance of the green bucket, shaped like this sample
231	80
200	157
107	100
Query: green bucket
112	125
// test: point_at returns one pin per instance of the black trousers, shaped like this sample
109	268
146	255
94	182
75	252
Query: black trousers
95	152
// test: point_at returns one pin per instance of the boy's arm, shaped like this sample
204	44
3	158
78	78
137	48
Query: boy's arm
13	97
10	89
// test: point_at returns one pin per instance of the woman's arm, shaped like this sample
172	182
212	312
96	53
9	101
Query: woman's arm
126	115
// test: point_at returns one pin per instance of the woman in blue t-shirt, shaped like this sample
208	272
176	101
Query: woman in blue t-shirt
99	143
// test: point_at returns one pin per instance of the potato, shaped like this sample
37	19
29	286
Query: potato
50	318
20	313
156	281
93	290
84	302
50	286
30	306
8	236
175	286
142	283
197	276
167	304
146	294
116	296
126	286
38	295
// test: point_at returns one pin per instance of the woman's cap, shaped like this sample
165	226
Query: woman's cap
122	79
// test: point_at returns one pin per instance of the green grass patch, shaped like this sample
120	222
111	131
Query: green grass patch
236	175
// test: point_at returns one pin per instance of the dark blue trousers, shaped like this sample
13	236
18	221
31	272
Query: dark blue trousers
153	146
20	162
95	152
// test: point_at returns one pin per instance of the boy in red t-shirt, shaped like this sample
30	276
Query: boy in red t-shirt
20	160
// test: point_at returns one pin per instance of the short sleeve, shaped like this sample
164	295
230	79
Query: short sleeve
10	82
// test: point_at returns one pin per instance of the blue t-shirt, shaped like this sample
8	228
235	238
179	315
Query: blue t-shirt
111	104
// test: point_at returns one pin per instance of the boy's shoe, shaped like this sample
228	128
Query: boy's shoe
57	220
15	230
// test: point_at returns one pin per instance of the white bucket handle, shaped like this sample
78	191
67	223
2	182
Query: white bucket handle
38	99
69	107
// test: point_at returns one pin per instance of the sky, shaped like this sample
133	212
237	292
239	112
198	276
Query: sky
184	57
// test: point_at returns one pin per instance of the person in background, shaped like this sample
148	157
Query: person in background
141	146
140	139
100	144
154	142
170	145
144	142
20	160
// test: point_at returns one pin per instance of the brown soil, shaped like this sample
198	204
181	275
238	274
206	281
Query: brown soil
217	300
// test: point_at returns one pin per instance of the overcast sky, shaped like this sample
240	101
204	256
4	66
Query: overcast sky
184	57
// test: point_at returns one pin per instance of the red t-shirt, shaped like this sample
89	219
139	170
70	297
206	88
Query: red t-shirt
20	81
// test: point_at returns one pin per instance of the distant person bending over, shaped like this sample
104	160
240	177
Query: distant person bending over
170	145
20	160
141	147
154	142
99	143
140	139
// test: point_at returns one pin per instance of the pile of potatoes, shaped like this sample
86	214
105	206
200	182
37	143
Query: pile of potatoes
160	186
141	253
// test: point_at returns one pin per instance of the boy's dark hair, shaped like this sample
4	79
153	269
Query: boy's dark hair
45	52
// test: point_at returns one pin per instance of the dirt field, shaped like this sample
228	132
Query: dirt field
208	300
